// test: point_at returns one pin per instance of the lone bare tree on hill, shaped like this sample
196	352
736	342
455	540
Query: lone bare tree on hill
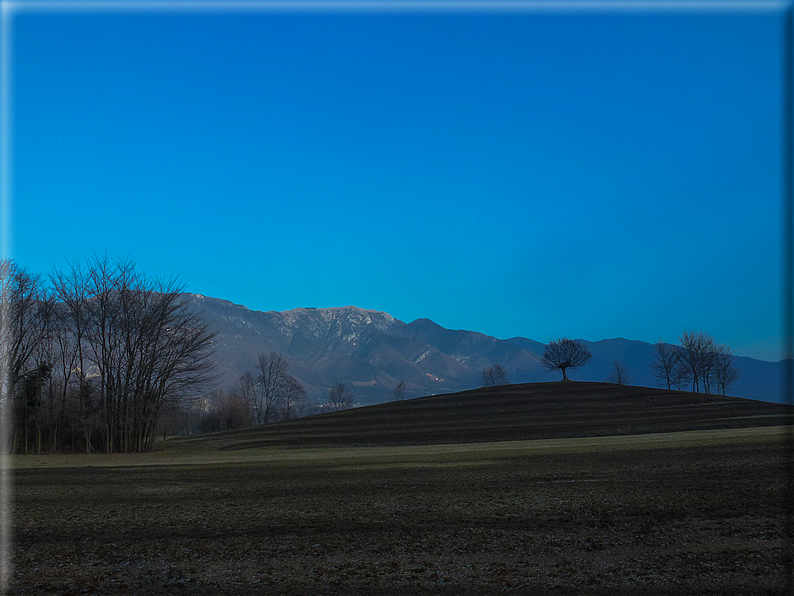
494	375
399	391
564	354
619	375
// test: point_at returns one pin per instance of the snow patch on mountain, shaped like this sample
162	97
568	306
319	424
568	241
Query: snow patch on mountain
422	356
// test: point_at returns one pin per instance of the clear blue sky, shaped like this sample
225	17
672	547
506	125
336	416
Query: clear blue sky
579	174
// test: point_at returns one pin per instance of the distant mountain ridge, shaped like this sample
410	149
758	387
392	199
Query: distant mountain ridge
371	351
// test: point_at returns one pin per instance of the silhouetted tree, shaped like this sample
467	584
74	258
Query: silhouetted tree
149	348
724	371
23	329
117	349
666	365
303	407
291	395
494	375
30	409
246	389
272	376
619	375
704	362
235	411
71	291
25	358
399	391
565	353
691	354
339	397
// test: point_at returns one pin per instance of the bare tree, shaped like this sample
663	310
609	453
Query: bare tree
724	371
214	416
705	363
619	375
565	353
399	391
339	397
666	365
292	394
317	408
72	293
494	375
24	326
141	347
272	375
6	410
23	334
95	361
693	356
247	390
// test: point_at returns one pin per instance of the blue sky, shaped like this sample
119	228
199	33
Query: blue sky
544	174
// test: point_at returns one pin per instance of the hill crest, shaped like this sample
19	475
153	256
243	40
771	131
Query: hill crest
521	412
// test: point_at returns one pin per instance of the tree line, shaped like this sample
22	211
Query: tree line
699	362
263	395
94	355
100	358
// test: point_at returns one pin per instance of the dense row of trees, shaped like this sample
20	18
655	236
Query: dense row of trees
96	355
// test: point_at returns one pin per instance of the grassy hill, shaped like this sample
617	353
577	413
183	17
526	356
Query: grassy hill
509	413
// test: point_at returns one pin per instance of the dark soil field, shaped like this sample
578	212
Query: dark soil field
515	413
590	489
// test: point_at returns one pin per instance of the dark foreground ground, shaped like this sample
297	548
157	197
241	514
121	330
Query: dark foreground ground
529	489
683	515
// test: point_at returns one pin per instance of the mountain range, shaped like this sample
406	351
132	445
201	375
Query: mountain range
371	351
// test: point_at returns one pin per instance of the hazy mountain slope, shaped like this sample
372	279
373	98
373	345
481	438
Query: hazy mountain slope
371	352
477	351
